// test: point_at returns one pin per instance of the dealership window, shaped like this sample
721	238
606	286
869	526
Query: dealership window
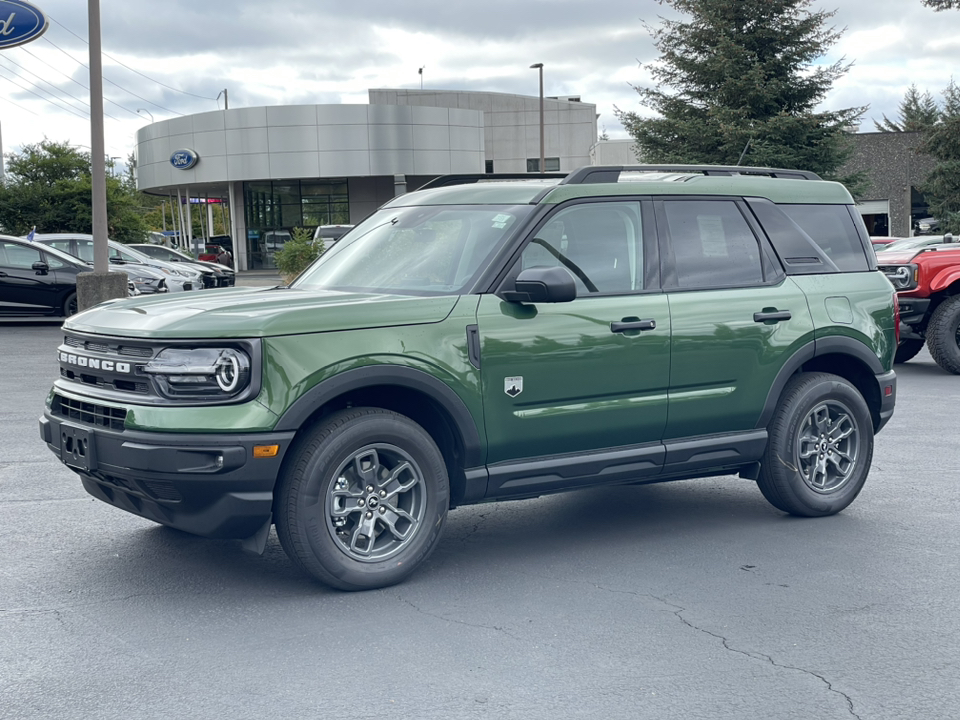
488	166
549	164
274	208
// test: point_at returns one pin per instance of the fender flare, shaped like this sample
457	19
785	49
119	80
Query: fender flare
944	279
324	391
835	344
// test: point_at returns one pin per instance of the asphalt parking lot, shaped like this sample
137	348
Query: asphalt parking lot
685	600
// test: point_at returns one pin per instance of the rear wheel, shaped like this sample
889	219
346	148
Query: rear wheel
907	350
820	447
943	335
364	501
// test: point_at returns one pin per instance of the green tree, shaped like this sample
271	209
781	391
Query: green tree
48	186
733	73
942	141
939	5
917	112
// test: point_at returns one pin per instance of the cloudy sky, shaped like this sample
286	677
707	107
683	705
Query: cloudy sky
173	57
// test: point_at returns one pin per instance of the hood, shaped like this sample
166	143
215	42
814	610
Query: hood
256	312
902	257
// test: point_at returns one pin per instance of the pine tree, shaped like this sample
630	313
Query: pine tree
942	141
939	5
917	113
743	71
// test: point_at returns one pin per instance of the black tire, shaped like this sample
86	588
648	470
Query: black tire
943	335
364	499
69	305
820	447
907	350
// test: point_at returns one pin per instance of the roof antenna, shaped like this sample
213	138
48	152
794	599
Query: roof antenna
745	148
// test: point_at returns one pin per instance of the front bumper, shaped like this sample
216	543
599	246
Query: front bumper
207	484
913	310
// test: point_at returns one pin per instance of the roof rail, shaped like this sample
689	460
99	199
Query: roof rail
468	178
611	173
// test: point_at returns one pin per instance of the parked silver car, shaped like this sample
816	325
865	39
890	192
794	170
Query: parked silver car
81	245
214	274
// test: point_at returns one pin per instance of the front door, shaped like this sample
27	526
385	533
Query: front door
576	392
23	290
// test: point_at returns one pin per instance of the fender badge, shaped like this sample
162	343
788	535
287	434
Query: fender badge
513	386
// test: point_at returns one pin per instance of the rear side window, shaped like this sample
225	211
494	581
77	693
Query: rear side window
712	244
831	228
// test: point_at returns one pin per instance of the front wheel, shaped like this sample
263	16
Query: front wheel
943	335
819	448
364	501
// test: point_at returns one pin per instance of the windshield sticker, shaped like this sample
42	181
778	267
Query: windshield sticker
501	218
499	225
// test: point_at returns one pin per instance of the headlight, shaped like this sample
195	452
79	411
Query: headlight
200	373
903	277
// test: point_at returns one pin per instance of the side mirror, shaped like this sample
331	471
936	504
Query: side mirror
41	267
543	285
116	261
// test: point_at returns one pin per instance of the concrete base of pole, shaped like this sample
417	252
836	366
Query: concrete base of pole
93	288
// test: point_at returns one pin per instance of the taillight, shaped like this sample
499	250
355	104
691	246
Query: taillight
896	317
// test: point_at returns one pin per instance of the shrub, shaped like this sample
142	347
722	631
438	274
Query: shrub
297	254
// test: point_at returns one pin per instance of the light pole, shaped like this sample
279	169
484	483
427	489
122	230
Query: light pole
142	110
539	66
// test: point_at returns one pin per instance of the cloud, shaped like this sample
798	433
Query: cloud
304	51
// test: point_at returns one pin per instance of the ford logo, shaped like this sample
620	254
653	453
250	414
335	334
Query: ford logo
20	23
184	159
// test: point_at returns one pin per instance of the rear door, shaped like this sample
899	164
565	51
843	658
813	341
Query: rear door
736	318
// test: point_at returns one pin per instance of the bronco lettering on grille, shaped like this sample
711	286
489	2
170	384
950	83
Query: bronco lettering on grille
95	363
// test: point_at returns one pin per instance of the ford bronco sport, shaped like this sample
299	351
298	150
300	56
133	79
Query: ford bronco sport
927	280
493	341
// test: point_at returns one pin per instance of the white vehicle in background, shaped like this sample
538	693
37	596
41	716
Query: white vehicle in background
214	274
81	245
330	234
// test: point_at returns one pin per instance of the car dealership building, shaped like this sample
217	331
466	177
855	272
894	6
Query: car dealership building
293	166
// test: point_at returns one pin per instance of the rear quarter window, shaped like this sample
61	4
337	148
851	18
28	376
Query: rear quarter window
832	228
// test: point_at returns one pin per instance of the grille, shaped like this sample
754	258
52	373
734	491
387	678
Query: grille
88	345
89	413
135	351
158	490
96	381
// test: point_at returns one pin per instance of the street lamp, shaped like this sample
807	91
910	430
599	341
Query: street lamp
144	110
539	66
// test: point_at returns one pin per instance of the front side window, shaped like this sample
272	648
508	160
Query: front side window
712	244
14	255
432	250
600	244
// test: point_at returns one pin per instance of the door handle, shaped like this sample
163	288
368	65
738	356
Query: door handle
773	316
3	274
625	325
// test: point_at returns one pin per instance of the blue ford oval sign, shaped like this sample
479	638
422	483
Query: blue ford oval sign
184	159
20	22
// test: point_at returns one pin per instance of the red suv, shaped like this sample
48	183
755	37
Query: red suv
927	281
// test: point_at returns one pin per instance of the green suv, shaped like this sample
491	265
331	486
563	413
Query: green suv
478	341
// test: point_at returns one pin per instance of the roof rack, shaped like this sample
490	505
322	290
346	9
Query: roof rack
611	173
469	178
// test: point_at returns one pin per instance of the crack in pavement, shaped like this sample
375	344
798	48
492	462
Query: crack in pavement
676	610
757	655
460	622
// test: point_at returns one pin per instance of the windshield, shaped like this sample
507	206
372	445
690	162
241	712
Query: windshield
432	250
